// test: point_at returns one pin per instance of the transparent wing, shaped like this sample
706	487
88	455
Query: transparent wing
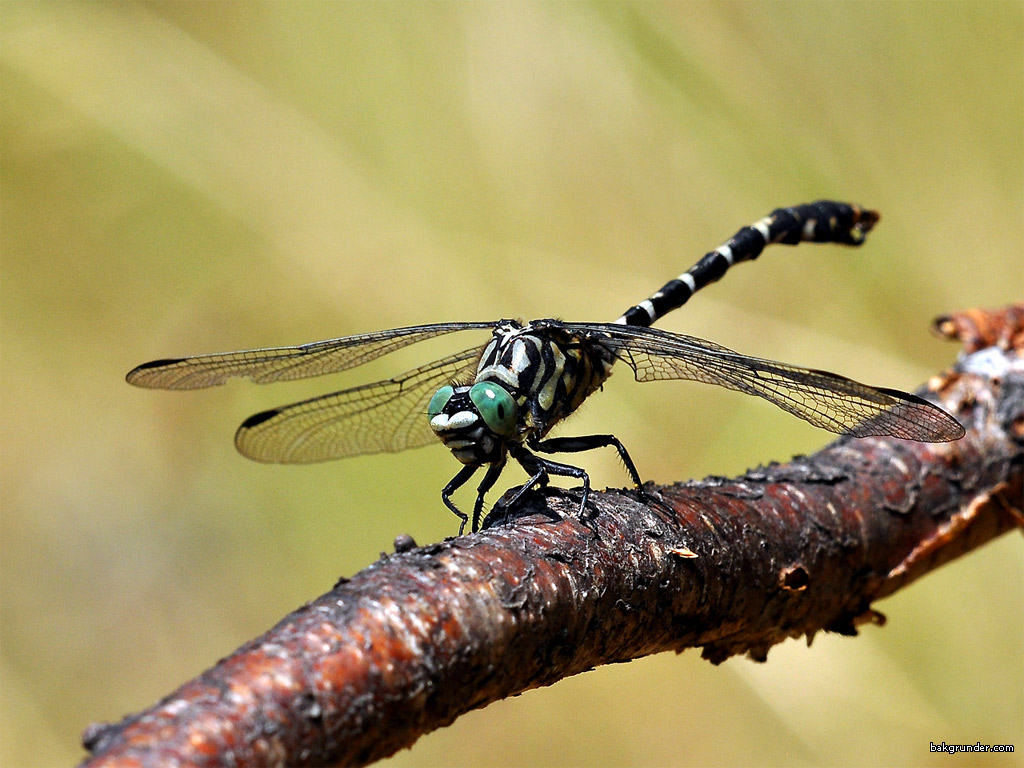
386	416
285	363
824	399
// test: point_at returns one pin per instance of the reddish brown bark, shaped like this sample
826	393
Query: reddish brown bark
732	565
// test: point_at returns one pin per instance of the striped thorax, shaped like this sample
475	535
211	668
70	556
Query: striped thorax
530	377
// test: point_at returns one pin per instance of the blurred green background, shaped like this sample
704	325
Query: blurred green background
195	177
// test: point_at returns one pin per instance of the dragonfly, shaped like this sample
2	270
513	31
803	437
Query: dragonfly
488	404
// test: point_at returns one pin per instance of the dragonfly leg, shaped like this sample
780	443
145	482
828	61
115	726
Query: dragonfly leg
540	477
589	442
541	468
490	478
457	482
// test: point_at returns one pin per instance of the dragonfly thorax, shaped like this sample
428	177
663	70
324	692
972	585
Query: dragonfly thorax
530	376
548	369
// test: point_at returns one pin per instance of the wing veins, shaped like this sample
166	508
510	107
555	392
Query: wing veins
348	422
272	364
824	399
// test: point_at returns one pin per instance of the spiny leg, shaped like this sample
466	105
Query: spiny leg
457	482
587	443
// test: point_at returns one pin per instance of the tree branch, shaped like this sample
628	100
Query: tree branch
731	565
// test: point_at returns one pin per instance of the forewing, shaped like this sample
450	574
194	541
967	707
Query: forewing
824	399
386	416
286	363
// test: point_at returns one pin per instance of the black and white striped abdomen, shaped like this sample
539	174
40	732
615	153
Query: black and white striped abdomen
821	222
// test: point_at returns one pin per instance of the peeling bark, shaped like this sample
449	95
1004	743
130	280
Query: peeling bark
730	565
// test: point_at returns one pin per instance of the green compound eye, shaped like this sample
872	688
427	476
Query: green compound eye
496	406
439	401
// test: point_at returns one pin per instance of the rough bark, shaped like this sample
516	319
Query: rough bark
730	565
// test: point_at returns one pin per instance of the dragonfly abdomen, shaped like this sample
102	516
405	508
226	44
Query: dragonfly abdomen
825	221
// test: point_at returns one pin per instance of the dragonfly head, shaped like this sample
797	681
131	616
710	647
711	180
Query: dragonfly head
473	421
